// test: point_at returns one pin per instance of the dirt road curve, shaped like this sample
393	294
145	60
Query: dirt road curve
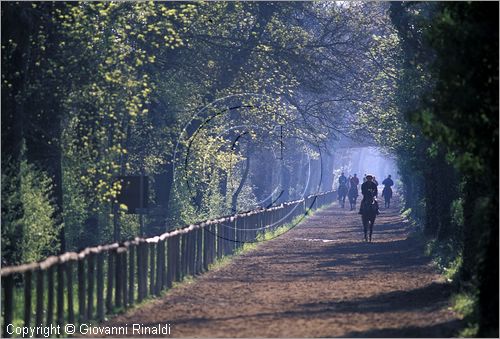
318	280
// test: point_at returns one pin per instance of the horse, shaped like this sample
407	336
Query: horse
387	194
342	193
368	214
353	196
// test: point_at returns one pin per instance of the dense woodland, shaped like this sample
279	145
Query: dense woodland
230	106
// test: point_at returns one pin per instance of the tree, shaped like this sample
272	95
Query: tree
457	44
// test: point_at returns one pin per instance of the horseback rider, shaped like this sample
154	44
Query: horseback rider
388	182
369	191
353	191
387	192
342	191
354	180
342	180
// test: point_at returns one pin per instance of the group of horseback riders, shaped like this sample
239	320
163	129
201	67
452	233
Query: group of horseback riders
369	189
369	205
348	187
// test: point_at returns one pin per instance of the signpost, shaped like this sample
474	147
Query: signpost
134	193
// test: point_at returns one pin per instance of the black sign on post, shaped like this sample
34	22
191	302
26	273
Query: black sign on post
134	193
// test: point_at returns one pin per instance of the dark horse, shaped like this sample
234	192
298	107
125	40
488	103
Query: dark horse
387	194
342	194
353	196
368	214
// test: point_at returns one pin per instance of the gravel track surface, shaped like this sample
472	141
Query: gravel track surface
317	280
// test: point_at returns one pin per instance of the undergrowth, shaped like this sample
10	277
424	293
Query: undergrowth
464	303
447	257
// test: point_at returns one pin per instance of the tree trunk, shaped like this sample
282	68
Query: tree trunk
326	171
234	198
43	125
14	16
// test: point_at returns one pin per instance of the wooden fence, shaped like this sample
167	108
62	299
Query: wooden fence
86	286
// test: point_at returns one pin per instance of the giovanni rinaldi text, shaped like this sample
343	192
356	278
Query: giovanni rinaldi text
84	329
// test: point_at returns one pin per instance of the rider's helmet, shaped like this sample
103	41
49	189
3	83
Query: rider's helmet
369	177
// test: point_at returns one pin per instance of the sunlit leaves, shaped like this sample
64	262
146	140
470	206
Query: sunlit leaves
111	41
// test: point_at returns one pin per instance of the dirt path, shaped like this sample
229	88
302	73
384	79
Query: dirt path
318	280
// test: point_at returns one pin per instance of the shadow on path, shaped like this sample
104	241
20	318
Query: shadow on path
317	280
440	330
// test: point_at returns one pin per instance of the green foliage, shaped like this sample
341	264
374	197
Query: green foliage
76	207
130	226
34	234
465	304
110	38
124	88
447	256
455	45
97	90
457	213
40	231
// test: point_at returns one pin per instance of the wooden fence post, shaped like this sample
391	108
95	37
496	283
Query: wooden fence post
164	277
246	230
152	268
177	257
254	227
100	286
39	297
118	279
27	298
213	243
170	262
60	293
209	243
141	269
228	241
90	286
246	226
160	266
50	295
131	274
183	255
81	291
8	285
145	269
192	252
124	294
139	266
199	250
237	226
206	249
69	283
109	283
219	241
232	234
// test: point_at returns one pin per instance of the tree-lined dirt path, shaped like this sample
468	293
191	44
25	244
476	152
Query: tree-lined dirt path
318	280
